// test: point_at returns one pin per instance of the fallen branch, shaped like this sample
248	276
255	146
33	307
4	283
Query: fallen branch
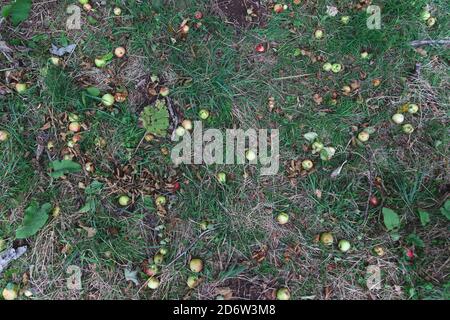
9	255
419	43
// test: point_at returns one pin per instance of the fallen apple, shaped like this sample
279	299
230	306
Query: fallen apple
10	292
124	200
83	1
163	251
376	82
89	166
260	48
74	126
408	128
283	294
363	136
187	124
344	245
164	91
373	201
250	155
180	131
345	19
398	118
204	225
317	147
192	281
364	55
196	265
203	114
431	22
379	251
151	270
425	15
161	200
117	11
108	100
326	238
278	8
4	135
100	63
149	137
222	177
198	15
73	117
318	34
413	108
282	218
346	89
21	87
153	283
119	52
158	259
55	61
307	164
336	67
87	7
327	66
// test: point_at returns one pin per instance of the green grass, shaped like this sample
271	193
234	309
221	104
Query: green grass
216	67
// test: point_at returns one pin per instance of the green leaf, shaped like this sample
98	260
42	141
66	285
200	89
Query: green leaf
60	168
155	119
18	11
424	217
391	219
445	210
414	239
88	207
108	56
93	91
34	219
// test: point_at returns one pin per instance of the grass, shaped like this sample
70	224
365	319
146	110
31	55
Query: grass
216	67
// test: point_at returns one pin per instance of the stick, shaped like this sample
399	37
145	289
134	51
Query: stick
418	43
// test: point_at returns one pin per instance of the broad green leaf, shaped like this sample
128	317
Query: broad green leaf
18	11
414	239
93	91
445	210
34	219
155	119
62	167
391	219
88	207
424	217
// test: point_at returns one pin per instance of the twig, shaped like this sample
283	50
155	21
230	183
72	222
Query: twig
418	43
293	77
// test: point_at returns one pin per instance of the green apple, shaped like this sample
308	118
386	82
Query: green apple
318	34
363	136
10	292
164	91
158	258
21	87
283	294
326	238
180	131
124	200
83	2
327	66
161	200
413	108
187	124
196	265
398	118
117	11
425	15
336	67
192	281
408	128
153	283
345	19
344	245
100	63
203	114
4	135
282	218
222	177
108	100
250	155
307	164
